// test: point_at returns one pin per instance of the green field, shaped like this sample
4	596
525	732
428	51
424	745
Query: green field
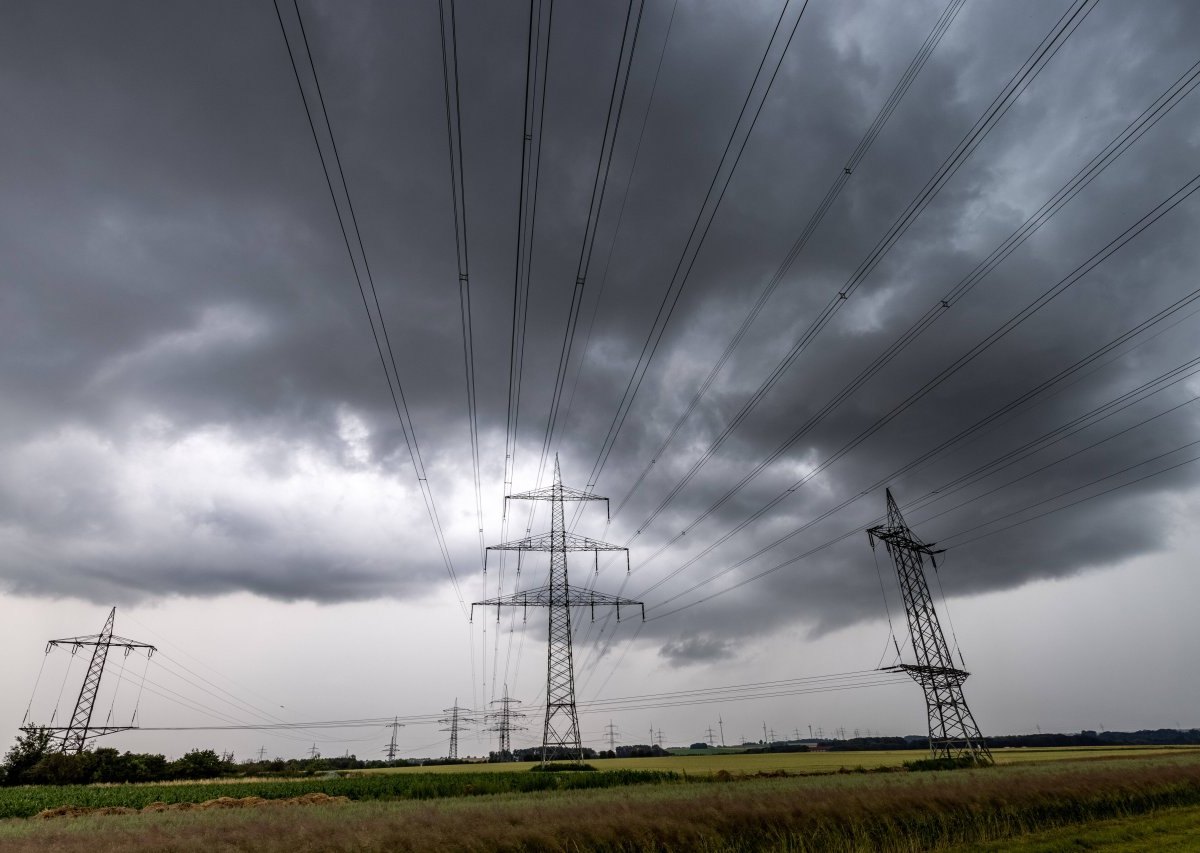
27	800
805	762
1038	800
1167	831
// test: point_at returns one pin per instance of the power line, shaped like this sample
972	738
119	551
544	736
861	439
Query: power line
608	144
843	176
963	360
1095	482
950	166
458	192
890	104
537	67
696	237
612	124
637	151
854	532
1149	117
396	390
1090	418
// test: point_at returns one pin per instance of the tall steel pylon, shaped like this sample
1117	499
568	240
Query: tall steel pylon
457	719
503	723
75	736
560	735
395	725
953	732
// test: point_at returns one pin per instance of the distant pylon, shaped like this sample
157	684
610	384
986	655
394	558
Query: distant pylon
457	719
710	740
76	735
503	722
952	729
610	731
560	734
395	725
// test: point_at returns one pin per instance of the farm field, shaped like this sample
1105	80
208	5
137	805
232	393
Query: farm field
804	762
1019	805
1169	831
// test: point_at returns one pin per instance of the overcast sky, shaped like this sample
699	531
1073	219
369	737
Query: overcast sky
197	428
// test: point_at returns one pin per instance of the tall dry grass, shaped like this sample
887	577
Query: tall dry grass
877	815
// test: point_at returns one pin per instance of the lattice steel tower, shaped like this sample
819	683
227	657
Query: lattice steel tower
395	725
952	729
457	719
75	736
560	736
504	723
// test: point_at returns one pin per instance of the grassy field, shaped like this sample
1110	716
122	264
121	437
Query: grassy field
805	762
1019	804
1166	831
27	800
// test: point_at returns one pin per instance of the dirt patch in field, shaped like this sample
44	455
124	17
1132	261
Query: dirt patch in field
314	799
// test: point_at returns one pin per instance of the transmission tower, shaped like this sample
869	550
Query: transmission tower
611	732
76	735
313	752
395	725
658	737
952	729
503	723
709	736
560	735
457	719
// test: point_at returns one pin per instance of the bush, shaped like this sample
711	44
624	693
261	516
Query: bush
30	748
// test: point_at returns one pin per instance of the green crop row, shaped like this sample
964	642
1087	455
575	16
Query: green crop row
25	801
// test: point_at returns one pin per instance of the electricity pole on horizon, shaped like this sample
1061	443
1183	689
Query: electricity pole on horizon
709	736
953	732
456	720
395	725
611	731
560	734
503	723
262	751
313	752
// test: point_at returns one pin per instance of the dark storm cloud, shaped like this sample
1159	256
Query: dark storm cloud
194	404
696	649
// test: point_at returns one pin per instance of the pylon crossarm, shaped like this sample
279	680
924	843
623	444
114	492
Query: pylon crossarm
549	493
93	731
95	640
566	541
902	539
918	672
